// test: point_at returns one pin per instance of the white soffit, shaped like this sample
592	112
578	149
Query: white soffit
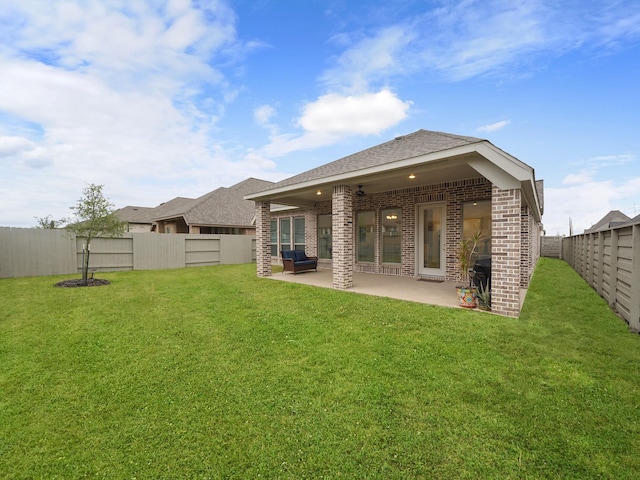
494	174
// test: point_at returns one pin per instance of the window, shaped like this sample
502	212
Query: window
476	216
285	234
324	236
298	233
391	222
274	238
366	236
292	234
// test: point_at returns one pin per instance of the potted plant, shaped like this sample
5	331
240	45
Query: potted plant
484	298
467	293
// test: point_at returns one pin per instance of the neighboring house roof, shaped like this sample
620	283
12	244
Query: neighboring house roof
432	157
540	190
634	220
173	207
221	207
612	219
131	214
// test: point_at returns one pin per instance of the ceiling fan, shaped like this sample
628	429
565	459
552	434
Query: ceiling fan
360	192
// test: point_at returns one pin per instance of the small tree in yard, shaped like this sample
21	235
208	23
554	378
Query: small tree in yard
48	223
95	217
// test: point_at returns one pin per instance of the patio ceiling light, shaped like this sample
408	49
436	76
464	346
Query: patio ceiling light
412	176
318	192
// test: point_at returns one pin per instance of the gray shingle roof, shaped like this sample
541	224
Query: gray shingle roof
132	214
173	207
226	206
221	207
612	219
422	142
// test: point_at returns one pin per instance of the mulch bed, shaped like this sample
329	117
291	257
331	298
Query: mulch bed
77	282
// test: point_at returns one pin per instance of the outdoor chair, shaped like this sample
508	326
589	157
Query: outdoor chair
297	261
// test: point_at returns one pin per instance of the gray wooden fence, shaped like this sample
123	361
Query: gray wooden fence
27	252
551	247
610	262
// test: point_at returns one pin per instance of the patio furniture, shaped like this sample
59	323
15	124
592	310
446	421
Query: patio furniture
297	261
482	273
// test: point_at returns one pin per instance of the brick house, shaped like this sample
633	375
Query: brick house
400	208
222	211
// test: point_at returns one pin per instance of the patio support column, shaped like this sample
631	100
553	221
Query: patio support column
342	232
263	238
505	251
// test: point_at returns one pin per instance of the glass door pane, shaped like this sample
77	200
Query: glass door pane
431	242
432	230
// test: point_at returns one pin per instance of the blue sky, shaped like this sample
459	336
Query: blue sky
158	99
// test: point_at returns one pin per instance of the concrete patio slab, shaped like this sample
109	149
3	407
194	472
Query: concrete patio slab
391	286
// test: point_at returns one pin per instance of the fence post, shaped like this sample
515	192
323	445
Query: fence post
585	252
590	258
613	277
600	264
634	307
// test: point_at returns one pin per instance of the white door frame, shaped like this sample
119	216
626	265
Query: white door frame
420	268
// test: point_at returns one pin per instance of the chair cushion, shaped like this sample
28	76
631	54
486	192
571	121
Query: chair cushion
289	254
305	262
299	256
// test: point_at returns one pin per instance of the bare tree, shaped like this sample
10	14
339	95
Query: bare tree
49	223
94	217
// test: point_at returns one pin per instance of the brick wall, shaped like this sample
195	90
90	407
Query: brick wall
453	194
342	231
505	251
263	238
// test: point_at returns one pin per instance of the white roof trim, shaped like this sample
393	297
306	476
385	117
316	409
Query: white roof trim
387	167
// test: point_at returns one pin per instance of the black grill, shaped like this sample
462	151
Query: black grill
482	273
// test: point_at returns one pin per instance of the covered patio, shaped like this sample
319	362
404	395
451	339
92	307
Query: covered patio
403	209
442	294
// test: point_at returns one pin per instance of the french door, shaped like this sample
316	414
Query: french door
431	239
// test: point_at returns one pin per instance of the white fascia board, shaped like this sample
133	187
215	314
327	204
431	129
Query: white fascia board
283	208
506	162
348	176
496	175
507	173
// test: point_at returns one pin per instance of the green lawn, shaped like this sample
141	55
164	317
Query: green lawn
214	373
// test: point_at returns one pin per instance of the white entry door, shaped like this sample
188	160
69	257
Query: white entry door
432	243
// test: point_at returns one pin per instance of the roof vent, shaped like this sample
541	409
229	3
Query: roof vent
399	137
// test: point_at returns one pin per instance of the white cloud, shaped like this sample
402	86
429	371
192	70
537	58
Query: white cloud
364	114
333	117
461	40
494	126
602	161
369	58
580	178
124	94
589	194
12	145
264	114
587	202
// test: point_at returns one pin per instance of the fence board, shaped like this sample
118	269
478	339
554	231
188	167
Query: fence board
158	252
610	262
33	252
41	251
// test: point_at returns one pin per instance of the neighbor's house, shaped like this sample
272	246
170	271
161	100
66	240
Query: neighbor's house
400	208
137	219
615	218
222	211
